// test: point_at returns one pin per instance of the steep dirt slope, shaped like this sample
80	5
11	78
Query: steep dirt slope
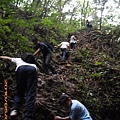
91	75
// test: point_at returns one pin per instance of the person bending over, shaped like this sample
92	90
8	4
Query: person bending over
26	80
64	46
47	55
77	110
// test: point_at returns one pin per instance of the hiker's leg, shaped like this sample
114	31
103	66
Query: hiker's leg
31	86
48	60
20	89
44	66
72	45
63	54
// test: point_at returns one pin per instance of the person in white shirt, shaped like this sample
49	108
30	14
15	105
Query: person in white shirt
26	80
73	41
64	46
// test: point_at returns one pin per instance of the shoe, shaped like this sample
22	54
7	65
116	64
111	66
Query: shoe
14	113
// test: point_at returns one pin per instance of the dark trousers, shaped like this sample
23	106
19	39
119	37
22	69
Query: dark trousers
26	78
72	45
46	63
89	29
63	53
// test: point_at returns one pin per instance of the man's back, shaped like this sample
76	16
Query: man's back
44	48
79	111
64	45
73	39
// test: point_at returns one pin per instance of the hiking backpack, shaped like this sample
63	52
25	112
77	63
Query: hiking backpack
50	46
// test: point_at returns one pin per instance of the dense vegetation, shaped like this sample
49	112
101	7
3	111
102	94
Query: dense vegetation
92	77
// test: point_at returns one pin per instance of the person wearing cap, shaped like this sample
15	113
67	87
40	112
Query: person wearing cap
26	80
77	110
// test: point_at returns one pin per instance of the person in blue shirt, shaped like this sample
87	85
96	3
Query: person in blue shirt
77	110
47	55
89	25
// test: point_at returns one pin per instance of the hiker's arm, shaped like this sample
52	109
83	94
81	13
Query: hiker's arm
36	52
59	44
68	47
74	38
61	118
6	58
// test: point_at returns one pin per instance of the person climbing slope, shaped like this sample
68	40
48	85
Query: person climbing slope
47	55
89	26
64	46
73	41
26	80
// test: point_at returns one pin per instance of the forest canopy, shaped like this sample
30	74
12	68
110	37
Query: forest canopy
20	19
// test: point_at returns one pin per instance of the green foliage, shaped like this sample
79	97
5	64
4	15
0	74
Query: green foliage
2	31
96	74
98	63
46	23
6	29
10	30
5	21
20	23
5	1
